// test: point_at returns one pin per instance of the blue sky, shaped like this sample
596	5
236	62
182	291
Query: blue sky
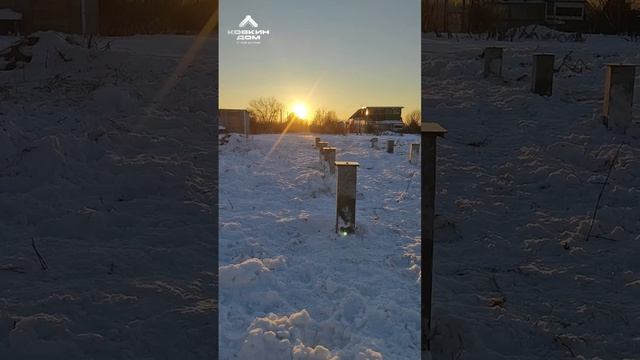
339	55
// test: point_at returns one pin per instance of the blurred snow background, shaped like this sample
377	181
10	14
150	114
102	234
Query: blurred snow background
519	176
116	186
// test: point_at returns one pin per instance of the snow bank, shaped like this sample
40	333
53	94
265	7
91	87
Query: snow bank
299	337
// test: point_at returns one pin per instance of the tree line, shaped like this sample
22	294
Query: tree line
267	115
483	16
614	17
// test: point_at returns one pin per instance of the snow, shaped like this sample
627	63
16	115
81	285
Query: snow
114	179
519	176
7	41
290	287
117	188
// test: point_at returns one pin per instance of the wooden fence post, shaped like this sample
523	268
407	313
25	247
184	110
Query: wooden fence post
542	74
330	159
414	153
322	145
618	96
430	132
493	61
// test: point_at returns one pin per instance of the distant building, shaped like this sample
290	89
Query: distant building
9	21
490	15
377	118
70	16
567	10
234	121
512	13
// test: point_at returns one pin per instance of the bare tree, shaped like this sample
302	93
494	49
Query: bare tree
412	121
319	117
326	121
324	117
413	117
266	109
615	16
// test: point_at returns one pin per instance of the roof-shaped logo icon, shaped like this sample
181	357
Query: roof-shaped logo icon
248	20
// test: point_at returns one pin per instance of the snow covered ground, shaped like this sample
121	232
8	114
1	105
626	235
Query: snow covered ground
519	177
112	173
290	287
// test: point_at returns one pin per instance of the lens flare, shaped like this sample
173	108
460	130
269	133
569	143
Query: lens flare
300	110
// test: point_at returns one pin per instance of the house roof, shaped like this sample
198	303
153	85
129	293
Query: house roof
358	112
8	14
231	110
382	107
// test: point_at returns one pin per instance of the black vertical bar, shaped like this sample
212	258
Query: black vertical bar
428	187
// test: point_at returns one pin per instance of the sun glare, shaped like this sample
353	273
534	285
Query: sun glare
300	110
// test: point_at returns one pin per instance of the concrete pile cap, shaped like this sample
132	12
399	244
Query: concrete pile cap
433	128
347	163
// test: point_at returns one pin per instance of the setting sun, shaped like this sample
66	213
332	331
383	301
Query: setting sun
300	110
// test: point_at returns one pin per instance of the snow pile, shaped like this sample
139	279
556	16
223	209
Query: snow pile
520	33
15	52
248	272
290	287
53	53
540	32
277	336
7	41
299	337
